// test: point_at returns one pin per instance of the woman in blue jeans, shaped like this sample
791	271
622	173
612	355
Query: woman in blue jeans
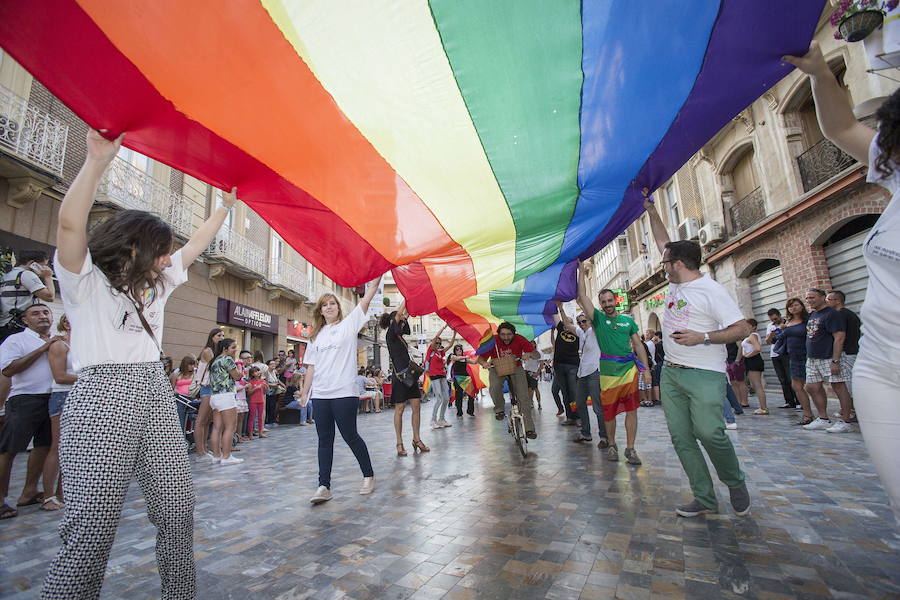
331	383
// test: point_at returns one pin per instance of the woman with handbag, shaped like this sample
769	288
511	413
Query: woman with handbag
405	380
119	421
330	382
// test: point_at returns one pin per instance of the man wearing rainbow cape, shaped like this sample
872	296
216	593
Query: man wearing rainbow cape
622	359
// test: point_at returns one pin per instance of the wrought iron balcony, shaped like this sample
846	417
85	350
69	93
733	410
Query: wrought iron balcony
31	134
237	249
821	162
748	211
288	276
126	186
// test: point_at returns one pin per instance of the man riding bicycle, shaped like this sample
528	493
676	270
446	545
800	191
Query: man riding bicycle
508	343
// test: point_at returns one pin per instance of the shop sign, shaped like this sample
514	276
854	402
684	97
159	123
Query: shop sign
622	305
657	299
239	315
296	329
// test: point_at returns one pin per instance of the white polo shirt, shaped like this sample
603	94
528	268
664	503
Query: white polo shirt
36	379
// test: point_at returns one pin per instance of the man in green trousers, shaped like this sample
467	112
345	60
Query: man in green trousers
700	317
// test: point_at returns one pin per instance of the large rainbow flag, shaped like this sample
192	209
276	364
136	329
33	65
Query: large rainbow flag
475	147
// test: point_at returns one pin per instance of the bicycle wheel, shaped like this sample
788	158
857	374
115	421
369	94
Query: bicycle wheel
521	441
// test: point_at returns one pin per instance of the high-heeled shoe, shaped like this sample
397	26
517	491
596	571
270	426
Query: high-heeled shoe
419	445
401	451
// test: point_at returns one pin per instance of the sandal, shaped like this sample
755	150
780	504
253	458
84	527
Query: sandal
401	451
51	500
761	411
499	415
419	445
8	512
36	499
805	421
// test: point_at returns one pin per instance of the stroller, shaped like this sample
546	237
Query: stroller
187	415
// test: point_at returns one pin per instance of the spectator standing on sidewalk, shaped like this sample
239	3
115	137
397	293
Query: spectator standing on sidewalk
781	362
826	332
700	317
835	300
23	358
751	351
63	371
794	336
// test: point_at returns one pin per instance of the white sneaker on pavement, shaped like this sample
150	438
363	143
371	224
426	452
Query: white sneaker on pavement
368	486
323	494
443	423
819	423
731	426
434	425
840	427
231	460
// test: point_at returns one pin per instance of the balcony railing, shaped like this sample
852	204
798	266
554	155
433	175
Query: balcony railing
288	276
821	162
748	211
126	186
31	134
239	250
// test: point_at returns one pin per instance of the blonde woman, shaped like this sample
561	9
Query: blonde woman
330	383
63	378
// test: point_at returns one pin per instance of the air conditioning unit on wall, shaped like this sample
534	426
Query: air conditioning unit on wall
711	233
689	229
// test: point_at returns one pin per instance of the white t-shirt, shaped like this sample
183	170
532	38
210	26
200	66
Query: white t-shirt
651	347
880	312
590	351
699	305
333	353
105	325
769	329
37	378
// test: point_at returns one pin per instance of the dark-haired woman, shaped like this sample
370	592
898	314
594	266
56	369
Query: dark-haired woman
330	382
224	373
119	421
204	412
459	371
751	350
397	326
876	379
793	332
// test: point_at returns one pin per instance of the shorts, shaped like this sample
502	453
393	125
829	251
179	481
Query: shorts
798	367
400	392
57	399
27	417
367	395
223	401
819	369
735	371
205	390
532	381
754	363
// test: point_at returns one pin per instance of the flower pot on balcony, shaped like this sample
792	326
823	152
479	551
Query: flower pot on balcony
859	25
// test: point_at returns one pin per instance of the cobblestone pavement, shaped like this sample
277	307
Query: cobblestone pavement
472	519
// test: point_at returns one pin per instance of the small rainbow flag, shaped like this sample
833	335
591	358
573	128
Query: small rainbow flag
487	343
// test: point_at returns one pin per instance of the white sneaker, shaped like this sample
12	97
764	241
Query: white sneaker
368	486
443	423
206	457
231	460
819	423
323	494
840	427
731	426
434	425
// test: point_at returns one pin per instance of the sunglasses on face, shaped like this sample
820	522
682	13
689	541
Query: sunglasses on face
580	321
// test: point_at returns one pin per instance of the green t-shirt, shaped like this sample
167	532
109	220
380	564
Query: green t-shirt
614	335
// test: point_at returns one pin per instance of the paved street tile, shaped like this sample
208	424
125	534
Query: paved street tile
472	520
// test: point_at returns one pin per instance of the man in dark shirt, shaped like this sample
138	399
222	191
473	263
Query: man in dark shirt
836	300
826	333
565	368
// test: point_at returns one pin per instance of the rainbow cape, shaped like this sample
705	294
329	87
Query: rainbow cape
477	148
